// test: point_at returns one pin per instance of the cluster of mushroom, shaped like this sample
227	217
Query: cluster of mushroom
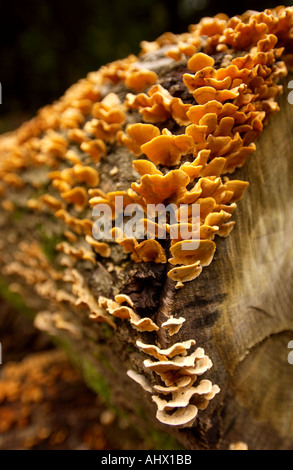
177	367
29	389
214	137
177	398
119	310
178	375
221	33
30	262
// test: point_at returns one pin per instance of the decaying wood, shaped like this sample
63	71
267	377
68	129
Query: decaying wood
238	309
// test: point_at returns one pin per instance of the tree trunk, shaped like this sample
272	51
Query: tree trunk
238	310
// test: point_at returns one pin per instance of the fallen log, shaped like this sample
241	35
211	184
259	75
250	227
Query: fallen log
187	338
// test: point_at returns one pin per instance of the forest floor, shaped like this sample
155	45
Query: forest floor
44	403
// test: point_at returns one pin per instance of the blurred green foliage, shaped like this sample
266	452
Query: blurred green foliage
46	45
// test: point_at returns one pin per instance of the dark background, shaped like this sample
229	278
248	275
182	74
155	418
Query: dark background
46	45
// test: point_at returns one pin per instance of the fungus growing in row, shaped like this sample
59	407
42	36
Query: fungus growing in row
182	274
101	248
182	397
156	188
182	417
154	107
87	175
136	135
96	148
238	446
118	310
168	149
140	379
51	202
77	252
79	226
184	252
199	61
163	354
140	79
52	322
76	196
173	325
179	371
85	299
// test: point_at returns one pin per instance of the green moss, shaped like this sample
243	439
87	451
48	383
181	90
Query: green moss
91	375
157	440
48	243
163	441
105	361
15	300
43	189
130	349
140	413
95	381
65	344
107	330
18	213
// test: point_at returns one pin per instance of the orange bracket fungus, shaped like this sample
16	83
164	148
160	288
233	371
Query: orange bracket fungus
177	145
